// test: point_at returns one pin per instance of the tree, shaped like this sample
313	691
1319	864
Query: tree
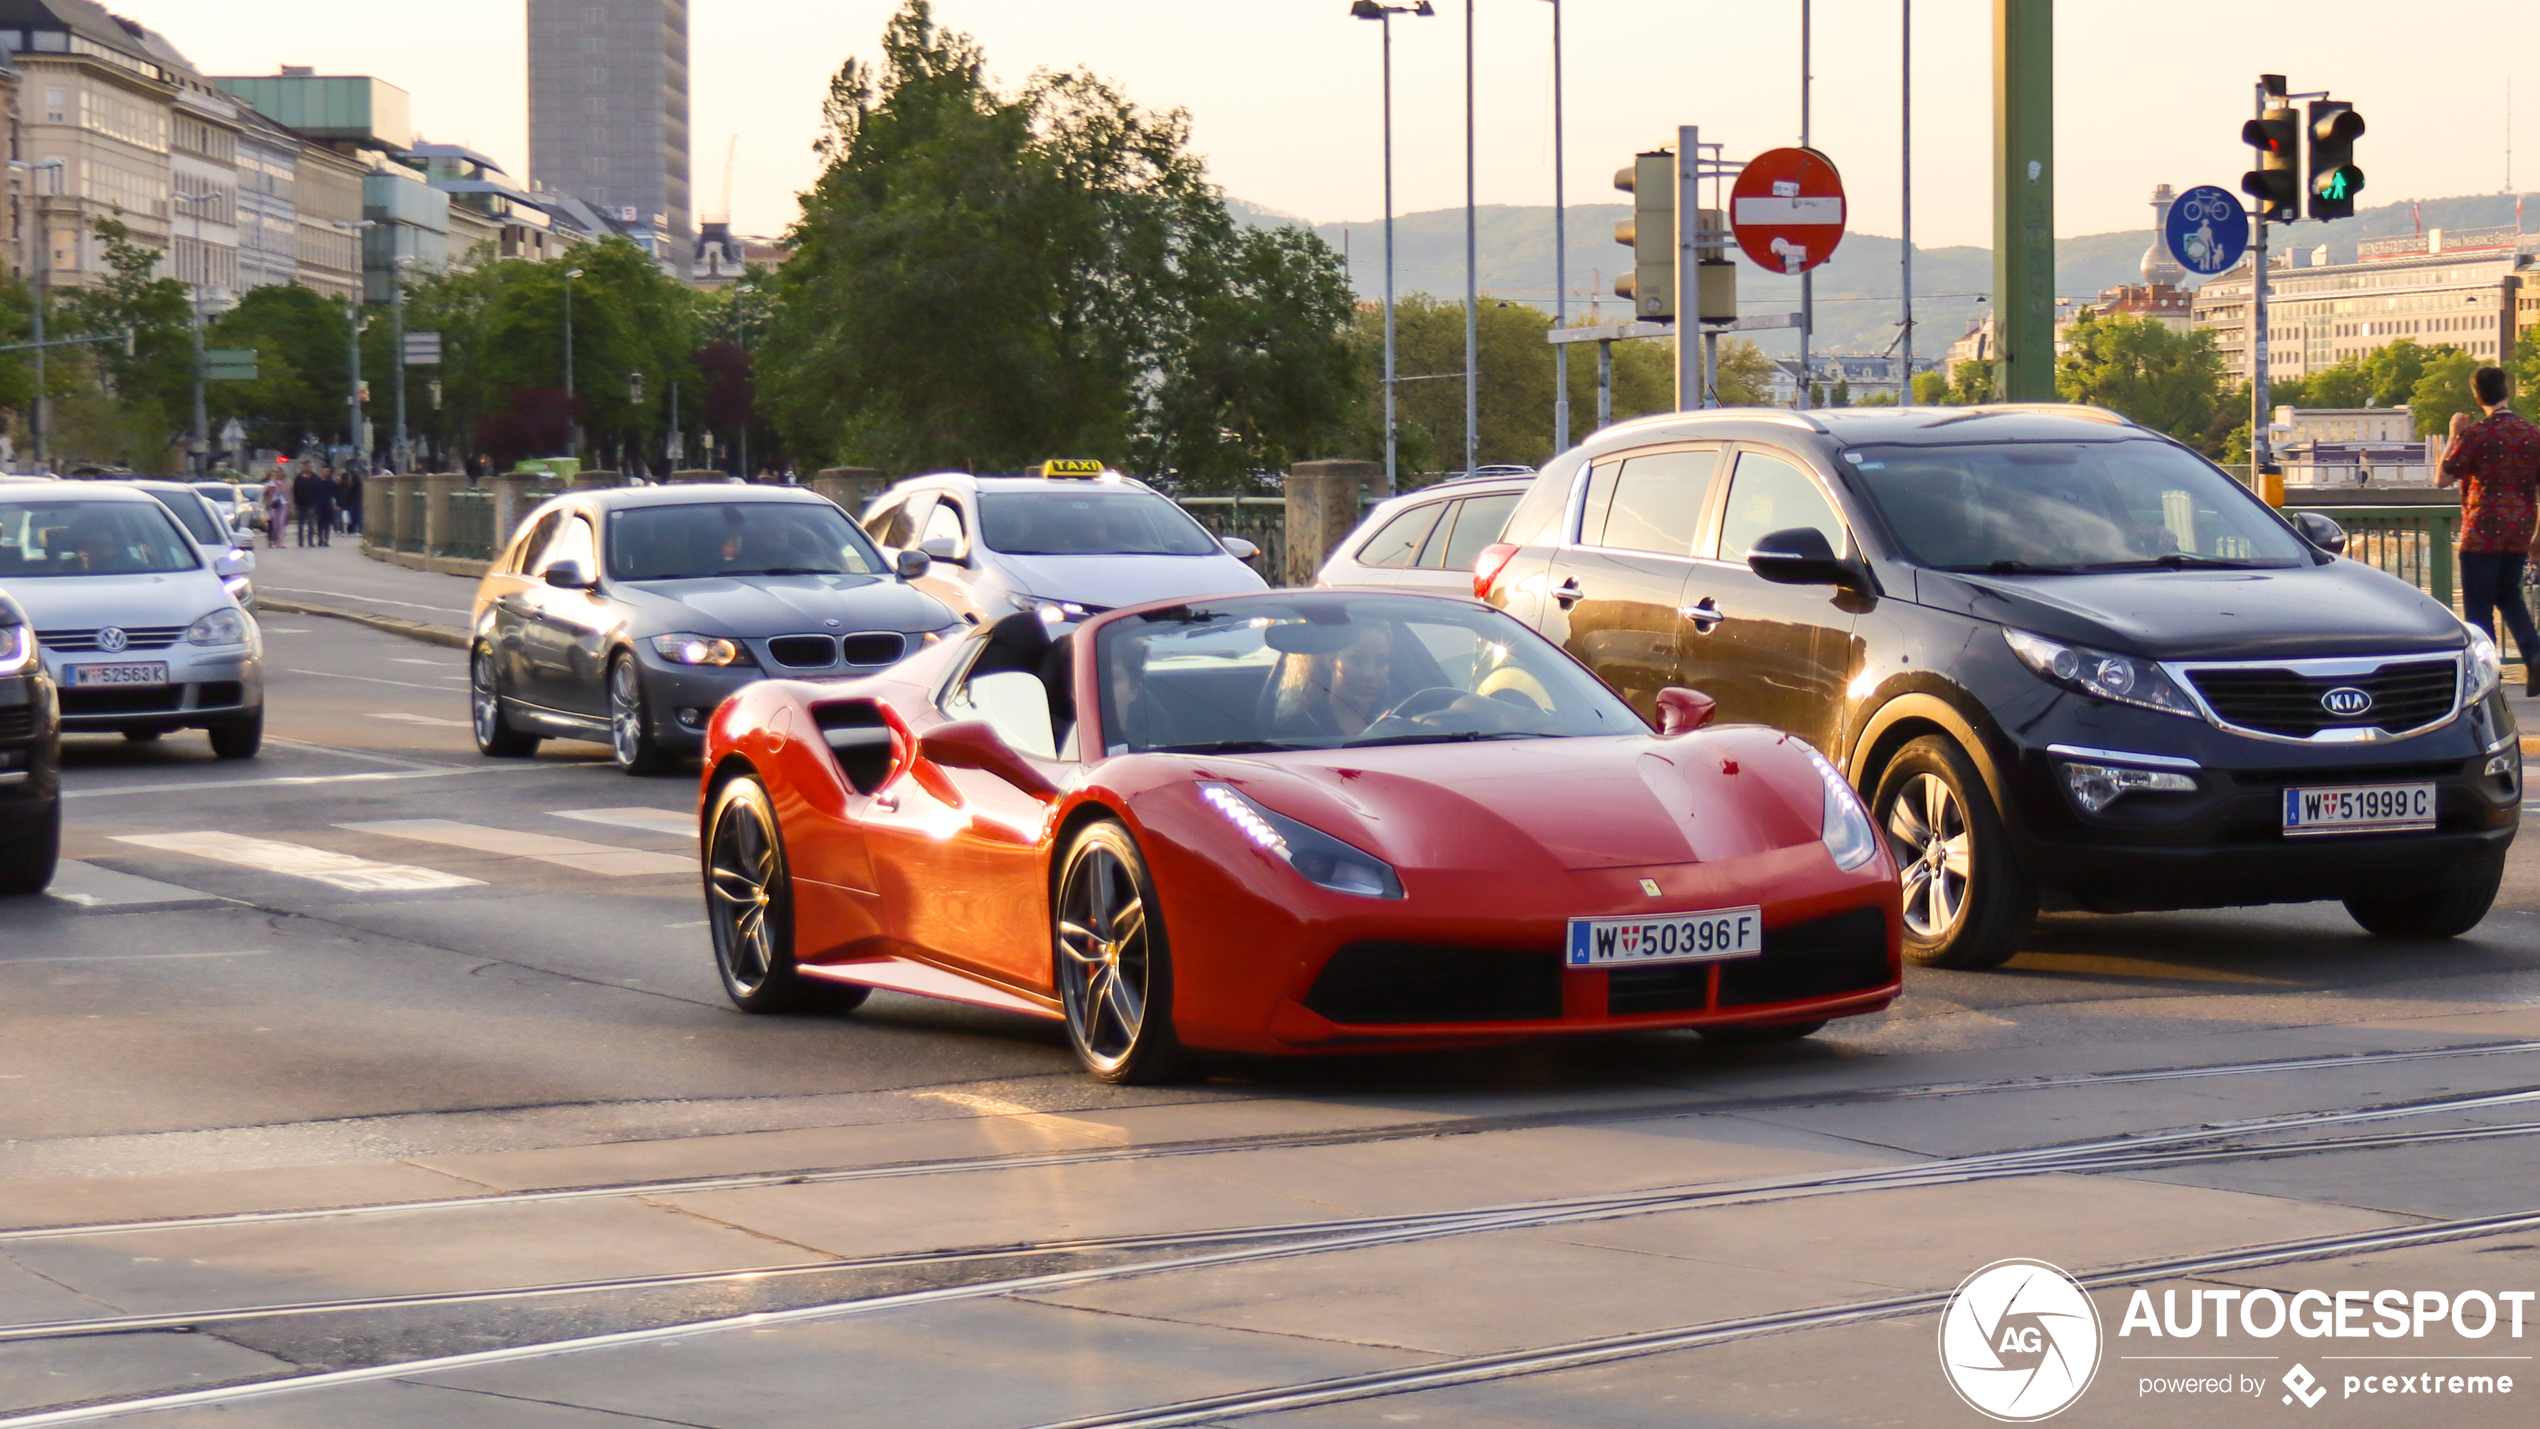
300	338
1263	373
2394	370
1745	378
136	401
1969	382
2347	384
2156	376
2523	366
2442	389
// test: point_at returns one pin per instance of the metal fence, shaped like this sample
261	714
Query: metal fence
468	535
2413	543
410	529
1262	520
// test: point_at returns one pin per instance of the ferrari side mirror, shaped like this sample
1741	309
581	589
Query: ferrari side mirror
1682	711
975	744
912	564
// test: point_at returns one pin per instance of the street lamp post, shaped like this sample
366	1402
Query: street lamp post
400	453
357	454
1560	258
43	274
741	334
573	423
1472	277
194	307
1383	14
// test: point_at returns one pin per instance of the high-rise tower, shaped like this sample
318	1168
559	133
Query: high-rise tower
608	111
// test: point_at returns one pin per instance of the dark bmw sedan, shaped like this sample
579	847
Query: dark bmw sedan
2070	663
30	760
626	615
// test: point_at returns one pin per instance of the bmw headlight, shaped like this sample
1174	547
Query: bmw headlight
1848	836
222	627
1320	858
2126	679
2484	667
700	650
17	649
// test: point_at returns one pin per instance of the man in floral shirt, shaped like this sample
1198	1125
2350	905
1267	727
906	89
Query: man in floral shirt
2497	462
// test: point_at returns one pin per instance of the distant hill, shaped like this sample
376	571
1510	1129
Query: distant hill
1857	292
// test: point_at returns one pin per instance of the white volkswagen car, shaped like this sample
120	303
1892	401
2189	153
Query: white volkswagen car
1076	539
132	620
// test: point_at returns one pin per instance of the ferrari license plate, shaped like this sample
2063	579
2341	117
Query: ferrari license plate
2358	808
152	672
1708	936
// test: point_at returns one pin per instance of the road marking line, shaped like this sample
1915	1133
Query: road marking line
398	761
404	718
338	870
280	780
368	680
417	660
651	821
568	853
998	1106
135	957
367	599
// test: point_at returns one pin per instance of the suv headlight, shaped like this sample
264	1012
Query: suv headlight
2483	669
221	627
17	649
2126	679
1849	839
1317	856
701	650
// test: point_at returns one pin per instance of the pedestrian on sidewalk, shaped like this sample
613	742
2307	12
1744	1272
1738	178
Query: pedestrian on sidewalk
2496	460
277	511
303	495
322	509
350	499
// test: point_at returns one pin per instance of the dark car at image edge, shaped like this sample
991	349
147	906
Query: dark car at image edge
30	759
2072	664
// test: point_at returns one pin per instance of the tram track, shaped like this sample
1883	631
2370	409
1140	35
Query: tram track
1183	1251
1212	1146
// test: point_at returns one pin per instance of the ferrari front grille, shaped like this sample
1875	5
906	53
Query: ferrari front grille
1401	983
1823	957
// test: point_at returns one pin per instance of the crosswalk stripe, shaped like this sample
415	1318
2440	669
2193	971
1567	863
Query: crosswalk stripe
569	853
339	870
651	821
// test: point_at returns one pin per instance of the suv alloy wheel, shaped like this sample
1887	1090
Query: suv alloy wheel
1966	904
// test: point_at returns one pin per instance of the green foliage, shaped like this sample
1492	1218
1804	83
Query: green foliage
2160	378
145	397
2395	369
2523	365
301	340
1879	399
1968	383
2443	388
1745	378
983	280
1841	396
2347	384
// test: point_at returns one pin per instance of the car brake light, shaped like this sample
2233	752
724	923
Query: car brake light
1486	567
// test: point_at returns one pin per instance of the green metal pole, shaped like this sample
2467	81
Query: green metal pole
2024	200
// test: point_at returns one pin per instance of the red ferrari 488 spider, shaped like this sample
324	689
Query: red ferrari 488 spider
1287	822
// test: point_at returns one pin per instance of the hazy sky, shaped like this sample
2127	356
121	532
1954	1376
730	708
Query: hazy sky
1283	94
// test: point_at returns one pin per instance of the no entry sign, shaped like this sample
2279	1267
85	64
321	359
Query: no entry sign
1787	209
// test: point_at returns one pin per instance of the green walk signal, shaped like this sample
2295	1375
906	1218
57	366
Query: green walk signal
2335	126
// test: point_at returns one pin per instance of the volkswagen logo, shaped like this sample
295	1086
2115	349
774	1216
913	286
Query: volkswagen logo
2346	701
112	640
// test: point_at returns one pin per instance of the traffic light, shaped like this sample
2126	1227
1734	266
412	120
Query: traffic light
1651	235
2335	126
2275	183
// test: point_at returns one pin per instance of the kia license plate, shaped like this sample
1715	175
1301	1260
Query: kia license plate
2358	809
154	672
1708	936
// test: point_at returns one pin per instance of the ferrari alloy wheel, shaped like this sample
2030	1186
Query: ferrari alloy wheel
631	739
1967	905
488	716
750	907
1114	974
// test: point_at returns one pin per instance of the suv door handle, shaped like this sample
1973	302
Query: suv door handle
1568	594
1706	615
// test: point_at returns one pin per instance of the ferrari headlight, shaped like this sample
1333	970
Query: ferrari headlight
2123	678
700	650
17	648
2485	666
1848	836
222	627
1317	856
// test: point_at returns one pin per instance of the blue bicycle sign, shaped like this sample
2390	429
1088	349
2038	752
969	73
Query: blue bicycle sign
2207	231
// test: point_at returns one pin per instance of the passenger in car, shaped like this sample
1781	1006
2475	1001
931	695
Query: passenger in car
1341	693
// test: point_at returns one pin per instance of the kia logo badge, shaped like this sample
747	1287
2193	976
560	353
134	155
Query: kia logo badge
2346	701
111	640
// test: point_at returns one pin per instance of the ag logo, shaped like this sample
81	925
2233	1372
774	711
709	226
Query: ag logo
2346	700
2019	1341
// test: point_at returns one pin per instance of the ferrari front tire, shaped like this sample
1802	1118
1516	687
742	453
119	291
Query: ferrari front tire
1113	968
750	908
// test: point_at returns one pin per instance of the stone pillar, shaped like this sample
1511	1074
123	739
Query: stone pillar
397	517
1325	500
850	486
379	514
594	480
437	487
516	494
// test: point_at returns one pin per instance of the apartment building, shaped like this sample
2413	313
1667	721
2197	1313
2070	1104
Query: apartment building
608	114
2470	290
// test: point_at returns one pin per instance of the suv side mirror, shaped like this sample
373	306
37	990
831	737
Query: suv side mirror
2320	531
911	564
1800	555
1682	711
975	744
569	575
942	548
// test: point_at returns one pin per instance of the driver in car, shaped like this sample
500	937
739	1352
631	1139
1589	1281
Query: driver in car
1343	692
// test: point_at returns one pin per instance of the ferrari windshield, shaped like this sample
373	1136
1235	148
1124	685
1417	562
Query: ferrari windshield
48	537
2058	507
736	538
1314	670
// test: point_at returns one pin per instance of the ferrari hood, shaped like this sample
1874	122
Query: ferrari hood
1550	803
753	606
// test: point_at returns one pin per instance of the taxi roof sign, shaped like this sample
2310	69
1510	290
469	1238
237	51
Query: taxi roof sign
1073	468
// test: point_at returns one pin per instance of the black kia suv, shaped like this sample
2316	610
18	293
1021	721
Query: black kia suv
2071	663
30	760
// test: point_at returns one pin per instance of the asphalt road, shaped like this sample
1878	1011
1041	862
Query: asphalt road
369	969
